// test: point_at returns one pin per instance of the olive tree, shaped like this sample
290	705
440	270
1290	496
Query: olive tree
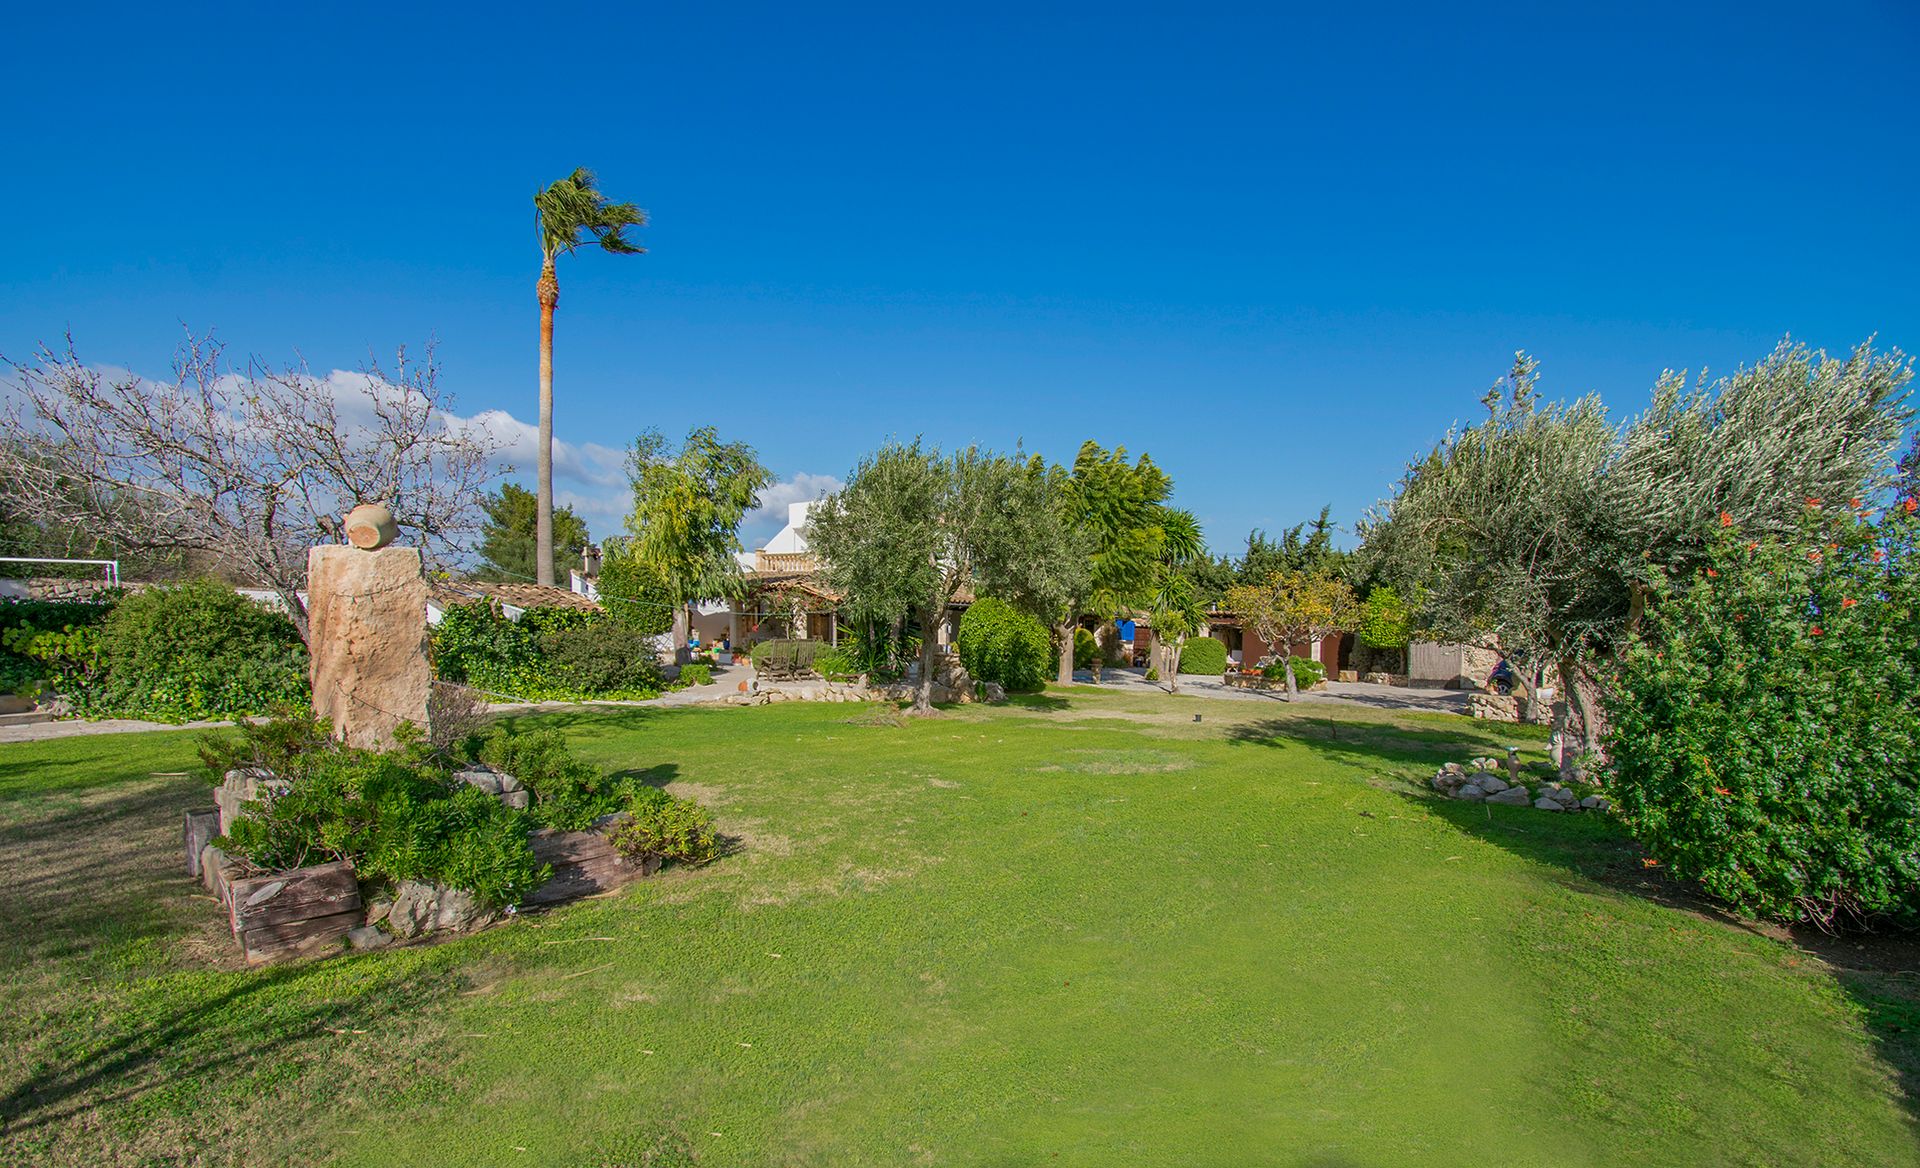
1541	530
913	528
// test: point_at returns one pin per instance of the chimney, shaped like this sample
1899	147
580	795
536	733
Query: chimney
590	561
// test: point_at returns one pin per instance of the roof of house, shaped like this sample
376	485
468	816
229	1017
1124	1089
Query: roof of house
451	592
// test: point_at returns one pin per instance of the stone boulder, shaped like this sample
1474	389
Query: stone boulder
367	638
420	909
1511	797
499	784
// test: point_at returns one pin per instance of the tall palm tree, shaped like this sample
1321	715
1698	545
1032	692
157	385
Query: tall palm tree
569	213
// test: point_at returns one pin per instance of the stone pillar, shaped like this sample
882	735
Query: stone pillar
367	641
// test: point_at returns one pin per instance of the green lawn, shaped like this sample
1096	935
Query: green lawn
1087	930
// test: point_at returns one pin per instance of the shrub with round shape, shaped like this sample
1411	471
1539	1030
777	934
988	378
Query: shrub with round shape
997	642
1203	655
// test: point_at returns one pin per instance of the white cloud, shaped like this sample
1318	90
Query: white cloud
771	515
587	476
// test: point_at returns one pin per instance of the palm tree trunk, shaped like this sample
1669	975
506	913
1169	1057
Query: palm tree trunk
549	293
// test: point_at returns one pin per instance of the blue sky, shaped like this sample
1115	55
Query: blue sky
1281	250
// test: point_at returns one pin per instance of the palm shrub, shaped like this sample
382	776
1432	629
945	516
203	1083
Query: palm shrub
1765	732
999	643
1203	655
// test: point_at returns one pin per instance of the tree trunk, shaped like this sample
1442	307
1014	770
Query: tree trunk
1099	651
549	292
1170	663
1293	687
1066	652
296	611
929	654
1575	703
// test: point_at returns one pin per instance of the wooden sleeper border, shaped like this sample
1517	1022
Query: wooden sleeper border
310	910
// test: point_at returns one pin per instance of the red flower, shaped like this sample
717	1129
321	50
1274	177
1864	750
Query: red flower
1726	519
1754	546
1649	863
1854	503
1711	572
1911	506
1833	547
1812	502
1878	555
1848	602
1721	791
1814	555
1815	630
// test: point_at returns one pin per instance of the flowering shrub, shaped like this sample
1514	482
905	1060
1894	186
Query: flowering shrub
1766	725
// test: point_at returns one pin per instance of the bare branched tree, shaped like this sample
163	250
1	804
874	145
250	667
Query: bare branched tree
251	466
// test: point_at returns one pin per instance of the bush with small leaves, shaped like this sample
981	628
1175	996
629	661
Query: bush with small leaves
1203	655
657	825
998	642
1765	728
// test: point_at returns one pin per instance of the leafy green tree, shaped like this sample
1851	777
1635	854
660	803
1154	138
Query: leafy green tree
634	595
1115	517
687	508
568	214
1289	607
1765	726
1304	547
1542	529
1385	621
913	527
509	540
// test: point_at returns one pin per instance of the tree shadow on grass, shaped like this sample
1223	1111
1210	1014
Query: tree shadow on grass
1369	742
1595	855
1042	703
657	775
123	997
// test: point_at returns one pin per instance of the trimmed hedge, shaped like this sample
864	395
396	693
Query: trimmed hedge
999	643
1203	655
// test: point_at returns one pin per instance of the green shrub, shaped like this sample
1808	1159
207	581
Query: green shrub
179	653
24	622
1086	650
601	657
1307	672
634	596
1765	729
997	642
1385	620
696	674
394	816
836	664
552	653
567	793
659	825
1203	655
